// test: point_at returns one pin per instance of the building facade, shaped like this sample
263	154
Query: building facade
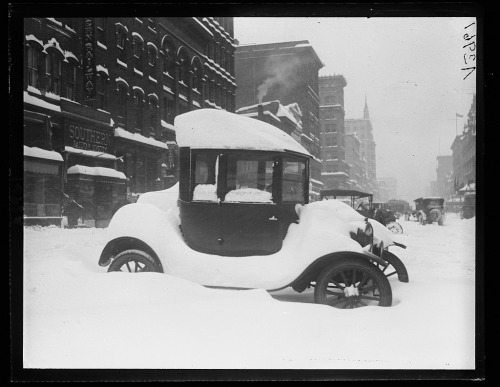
464	152
286	72
357	165
444	176
387	189
364	130
102	93
335	169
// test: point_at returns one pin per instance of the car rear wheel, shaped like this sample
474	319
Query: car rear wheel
349	283
134	261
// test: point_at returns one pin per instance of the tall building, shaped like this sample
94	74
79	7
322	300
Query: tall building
390	190
286	72
100	96
364	130
335	170
357	165
464	152
444	179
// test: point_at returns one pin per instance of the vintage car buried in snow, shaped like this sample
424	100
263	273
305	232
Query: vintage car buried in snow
239	218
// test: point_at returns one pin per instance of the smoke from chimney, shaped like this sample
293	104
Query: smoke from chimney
282	74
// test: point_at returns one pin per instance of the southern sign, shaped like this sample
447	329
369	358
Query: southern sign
80	137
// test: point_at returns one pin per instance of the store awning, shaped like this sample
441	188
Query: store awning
89	153
41	167
96	171
139	139
40	153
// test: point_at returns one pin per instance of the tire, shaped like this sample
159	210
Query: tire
395	227
331	285
396	266
134	261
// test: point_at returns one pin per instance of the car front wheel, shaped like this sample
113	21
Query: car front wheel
134	261
349	283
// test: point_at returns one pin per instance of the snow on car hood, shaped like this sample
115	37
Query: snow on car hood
324	227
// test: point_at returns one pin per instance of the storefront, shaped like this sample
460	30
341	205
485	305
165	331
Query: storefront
42	187
99	190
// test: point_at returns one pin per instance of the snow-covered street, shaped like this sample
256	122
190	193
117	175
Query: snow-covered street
78	316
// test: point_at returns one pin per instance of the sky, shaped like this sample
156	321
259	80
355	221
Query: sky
78	316
409	69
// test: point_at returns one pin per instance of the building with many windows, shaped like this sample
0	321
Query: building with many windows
100	97
335	169
364	130
286	72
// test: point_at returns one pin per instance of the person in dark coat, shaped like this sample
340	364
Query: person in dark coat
72	210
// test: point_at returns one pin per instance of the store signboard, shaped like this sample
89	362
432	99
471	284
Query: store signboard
89	66
88	138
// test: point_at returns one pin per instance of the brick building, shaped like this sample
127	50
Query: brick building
286	72
335	169
100	96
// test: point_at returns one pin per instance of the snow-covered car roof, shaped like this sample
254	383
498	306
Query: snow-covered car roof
219	129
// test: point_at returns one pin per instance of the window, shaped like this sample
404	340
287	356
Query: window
33	66
53	73
121	43
101	92
294	178
122	101
197	75
139	110
138	53
70	82
153	115
184	68
205	177
152	61
249	178
169	62
100	23
168	109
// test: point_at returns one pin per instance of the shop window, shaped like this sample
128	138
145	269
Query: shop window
100	23
33	66
294	178
53	73
101	92
42	194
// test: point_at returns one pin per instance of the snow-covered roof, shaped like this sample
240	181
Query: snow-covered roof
95	171
219	129
42	153
40	102
119	132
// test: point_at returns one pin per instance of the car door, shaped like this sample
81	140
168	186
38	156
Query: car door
249	210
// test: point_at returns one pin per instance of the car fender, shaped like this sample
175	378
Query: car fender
140	226
312	271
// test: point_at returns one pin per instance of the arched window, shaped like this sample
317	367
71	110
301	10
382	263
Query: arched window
33	56
53	72
69	90
122	100
223	57
169	62
121	43
197	74
153	114
184	67
152	54
138	48
139	109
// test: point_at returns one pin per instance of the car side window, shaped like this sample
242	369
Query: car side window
205	177
294	177
249	179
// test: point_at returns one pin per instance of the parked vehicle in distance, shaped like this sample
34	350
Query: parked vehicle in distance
368	208
429	210
239	217
398	207
468	209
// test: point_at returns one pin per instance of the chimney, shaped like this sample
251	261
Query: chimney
260	110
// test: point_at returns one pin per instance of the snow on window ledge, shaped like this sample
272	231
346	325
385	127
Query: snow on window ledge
205	192
99	44
248	195
51	95
152	79
121	63
138	72
34	90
